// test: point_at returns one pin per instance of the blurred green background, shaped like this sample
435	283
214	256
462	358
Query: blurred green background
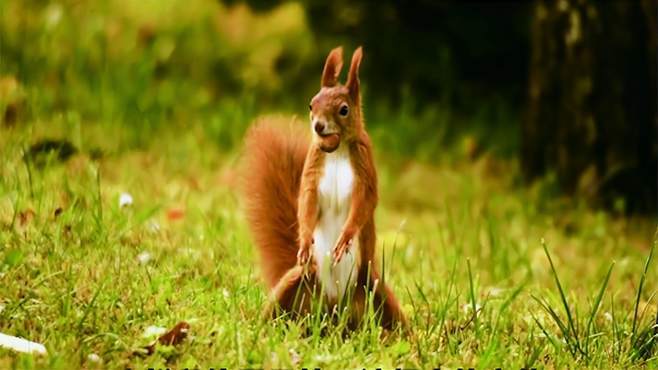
566	87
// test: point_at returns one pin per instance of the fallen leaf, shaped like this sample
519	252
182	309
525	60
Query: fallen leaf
171	338
175	214
25	217
176	335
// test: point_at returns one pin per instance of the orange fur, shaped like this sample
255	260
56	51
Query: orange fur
273	167
282	179
308	202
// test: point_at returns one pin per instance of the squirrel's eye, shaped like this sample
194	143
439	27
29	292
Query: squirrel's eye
344	110
310	107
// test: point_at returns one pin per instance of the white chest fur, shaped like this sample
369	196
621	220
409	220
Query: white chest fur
334	199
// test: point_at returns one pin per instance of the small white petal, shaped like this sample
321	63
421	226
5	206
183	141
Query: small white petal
125	200
94	358
144	258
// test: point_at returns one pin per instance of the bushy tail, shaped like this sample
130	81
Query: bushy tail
273	163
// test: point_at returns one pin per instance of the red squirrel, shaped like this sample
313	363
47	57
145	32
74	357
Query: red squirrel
310	206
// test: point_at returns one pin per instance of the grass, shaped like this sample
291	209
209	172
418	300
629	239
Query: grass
462	244
458	233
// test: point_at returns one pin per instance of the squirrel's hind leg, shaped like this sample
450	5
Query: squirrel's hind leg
392	315
292	294
386	307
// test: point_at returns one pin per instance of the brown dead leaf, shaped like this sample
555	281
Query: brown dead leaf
176	335
25	217
175	214
173	337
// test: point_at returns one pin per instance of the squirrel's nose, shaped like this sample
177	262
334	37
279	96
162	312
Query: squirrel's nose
319	127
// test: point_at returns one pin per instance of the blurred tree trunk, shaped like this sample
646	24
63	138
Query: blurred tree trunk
592	100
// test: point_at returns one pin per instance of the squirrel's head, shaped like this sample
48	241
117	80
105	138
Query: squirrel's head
336	108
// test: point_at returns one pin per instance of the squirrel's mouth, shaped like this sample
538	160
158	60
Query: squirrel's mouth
329	142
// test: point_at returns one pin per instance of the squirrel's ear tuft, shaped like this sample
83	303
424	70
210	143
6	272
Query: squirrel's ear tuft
332	68
353	76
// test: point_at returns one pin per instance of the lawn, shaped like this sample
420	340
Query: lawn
141	227
466	247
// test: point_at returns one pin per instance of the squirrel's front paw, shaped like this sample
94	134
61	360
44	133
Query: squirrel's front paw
304	252
344	242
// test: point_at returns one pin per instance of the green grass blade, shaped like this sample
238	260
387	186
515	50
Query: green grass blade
597	304
472	296
563	328
563	297
641	287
